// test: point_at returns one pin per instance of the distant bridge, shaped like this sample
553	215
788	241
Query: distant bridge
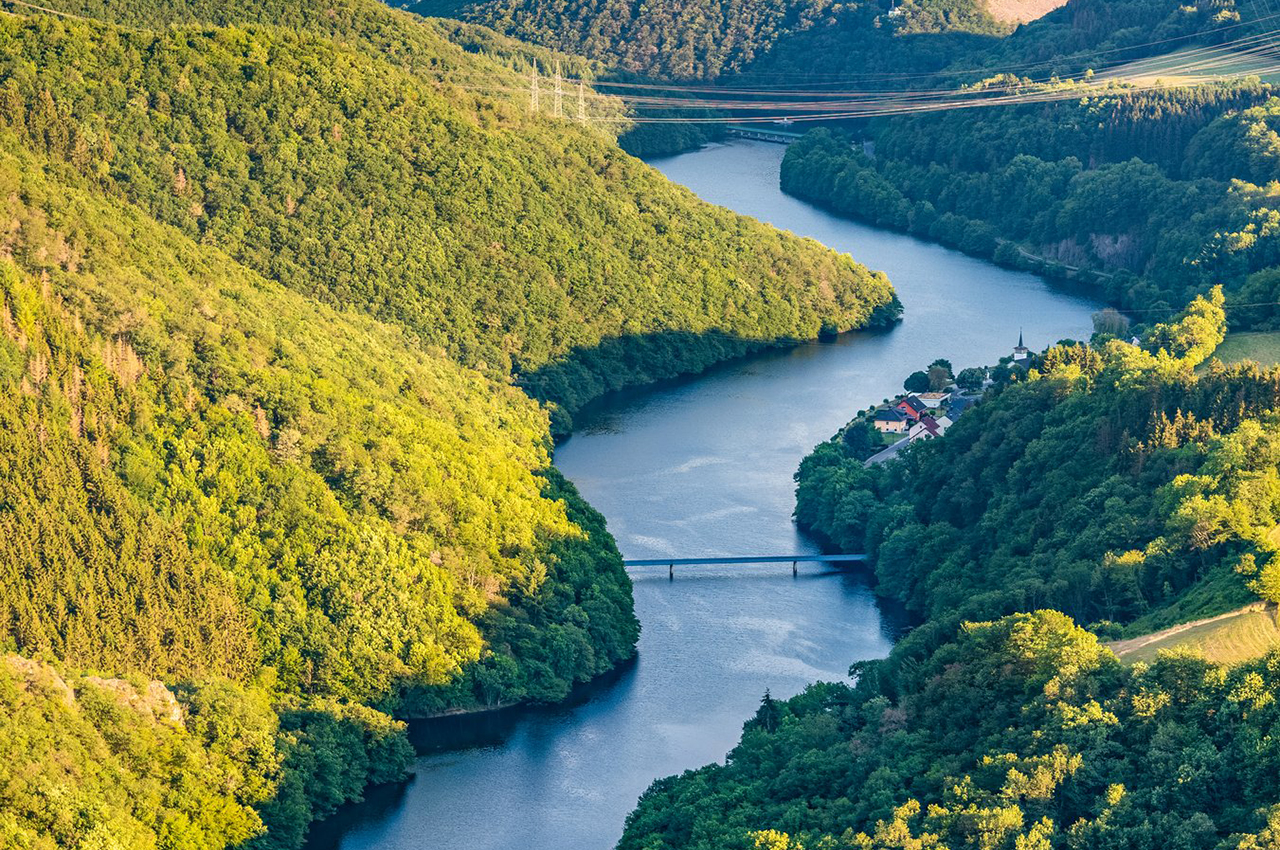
794	560
762	134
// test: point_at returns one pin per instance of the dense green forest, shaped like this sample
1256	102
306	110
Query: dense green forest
671	40
1114	483
811	40
740	42
515	242
866	45
1024	733
208	477
272	276
1149	236
944	43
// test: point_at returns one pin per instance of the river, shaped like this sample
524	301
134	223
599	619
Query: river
703	467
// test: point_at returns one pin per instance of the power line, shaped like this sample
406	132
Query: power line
559	99
533	89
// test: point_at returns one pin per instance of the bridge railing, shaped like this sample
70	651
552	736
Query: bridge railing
794	560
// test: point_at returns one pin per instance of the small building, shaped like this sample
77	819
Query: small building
934	400
958	404
928	428
1021	353
890	420
912	406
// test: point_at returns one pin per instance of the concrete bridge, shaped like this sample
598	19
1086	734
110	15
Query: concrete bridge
762	134
794	560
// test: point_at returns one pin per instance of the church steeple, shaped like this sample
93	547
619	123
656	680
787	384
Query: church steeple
1021	352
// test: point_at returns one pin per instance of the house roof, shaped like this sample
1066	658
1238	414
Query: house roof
933	427
932	396
889	415
914	402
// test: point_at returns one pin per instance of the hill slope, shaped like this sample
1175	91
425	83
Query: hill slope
706	40
675	40
267	275
513	241
1112	483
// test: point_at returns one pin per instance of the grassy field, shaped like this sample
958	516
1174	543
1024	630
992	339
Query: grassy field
1021	11
1263	347
1227	639
1192	65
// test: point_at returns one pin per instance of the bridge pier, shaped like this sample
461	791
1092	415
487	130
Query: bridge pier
671	572
794	571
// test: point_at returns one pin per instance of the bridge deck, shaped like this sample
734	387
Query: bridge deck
751	559
766	134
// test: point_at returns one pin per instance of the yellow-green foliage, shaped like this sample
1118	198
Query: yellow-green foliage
354	491
1019	734
128	764
90	762
206	474
267	272
510	240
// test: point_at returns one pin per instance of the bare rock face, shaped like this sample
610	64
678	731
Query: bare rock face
153	700
32	675
1117	250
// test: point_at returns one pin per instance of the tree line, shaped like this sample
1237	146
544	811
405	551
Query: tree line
268	278
1108	484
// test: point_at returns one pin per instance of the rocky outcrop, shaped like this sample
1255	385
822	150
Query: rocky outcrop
148	698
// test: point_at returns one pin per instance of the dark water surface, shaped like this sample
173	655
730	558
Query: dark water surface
704	467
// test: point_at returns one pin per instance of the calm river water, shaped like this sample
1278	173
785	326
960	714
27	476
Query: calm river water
704	467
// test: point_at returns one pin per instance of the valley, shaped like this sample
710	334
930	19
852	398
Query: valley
347	352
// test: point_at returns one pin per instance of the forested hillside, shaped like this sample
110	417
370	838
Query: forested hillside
1024	733
1148	194
820	41
1113	483
208	477
513	241
269	274
669	39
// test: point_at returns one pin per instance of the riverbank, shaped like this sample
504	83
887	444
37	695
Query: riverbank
703	466
1001	251
822	170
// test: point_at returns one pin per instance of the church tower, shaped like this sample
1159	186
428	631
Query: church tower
1021	352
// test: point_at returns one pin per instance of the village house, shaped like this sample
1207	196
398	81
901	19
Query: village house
934	400
912	406
928	428
958	404
890	420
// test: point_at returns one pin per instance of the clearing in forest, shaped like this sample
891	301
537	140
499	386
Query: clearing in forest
1230	638
1021	11
1260	346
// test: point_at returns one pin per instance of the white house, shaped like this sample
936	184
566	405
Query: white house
934	400
928	428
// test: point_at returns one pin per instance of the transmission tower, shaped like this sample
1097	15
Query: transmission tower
533	89
559	110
